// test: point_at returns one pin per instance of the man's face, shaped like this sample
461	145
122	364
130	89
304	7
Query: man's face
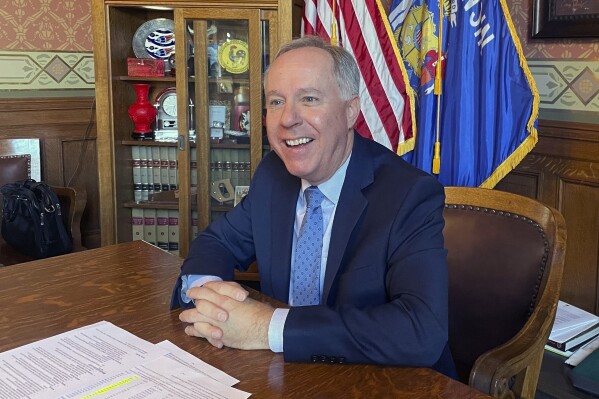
309	126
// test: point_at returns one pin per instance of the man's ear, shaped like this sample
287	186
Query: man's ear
353	110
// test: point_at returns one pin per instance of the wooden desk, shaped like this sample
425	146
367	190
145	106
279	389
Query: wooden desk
130	285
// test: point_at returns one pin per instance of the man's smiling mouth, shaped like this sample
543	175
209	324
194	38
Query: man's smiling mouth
296	142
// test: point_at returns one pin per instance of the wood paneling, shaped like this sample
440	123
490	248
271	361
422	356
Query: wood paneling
67	132
563	171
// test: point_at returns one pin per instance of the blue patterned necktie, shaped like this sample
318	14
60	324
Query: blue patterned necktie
308	250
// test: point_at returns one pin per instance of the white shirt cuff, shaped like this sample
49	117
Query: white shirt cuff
275	329
194	280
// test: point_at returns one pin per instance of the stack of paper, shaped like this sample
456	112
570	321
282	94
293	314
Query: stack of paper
572	327
105	359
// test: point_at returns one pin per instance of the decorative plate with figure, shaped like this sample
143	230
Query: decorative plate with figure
155	39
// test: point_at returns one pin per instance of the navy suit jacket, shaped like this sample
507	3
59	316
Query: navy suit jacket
385	285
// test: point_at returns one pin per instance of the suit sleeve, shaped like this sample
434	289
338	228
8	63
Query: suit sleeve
409	325
225	245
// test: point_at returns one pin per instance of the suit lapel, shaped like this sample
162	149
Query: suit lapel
284	200
351	205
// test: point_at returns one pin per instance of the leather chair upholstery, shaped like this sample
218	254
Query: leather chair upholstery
14	167
505	259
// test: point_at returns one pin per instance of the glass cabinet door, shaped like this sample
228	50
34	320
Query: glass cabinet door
220	72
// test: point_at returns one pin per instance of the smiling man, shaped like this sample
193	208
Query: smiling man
343	230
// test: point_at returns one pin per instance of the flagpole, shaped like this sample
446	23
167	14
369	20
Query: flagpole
438	90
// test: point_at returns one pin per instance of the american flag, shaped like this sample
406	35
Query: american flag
363	29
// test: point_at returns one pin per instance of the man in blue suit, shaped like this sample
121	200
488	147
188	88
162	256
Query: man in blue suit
381	290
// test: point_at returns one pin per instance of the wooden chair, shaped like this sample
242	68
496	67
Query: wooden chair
505	258
20	159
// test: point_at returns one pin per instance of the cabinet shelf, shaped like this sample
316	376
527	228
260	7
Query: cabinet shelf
151	205
126	78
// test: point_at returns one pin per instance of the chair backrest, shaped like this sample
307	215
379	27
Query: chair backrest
19	159
505	259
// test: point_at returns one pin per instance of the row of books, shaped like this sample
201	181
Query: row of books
155	168
573	327
159	227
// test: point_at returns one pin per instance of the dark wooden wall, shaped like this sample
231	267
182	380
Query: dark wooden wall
563	171
67	132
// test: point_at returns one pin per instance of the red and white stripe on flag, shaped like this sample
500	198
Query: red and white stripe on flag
363	29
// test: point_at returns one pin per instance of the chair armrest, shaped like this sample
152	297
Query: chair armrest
512	370
72	201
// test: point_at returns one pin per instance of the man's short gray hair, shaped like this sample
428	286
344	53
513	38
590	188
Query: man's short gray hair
345	68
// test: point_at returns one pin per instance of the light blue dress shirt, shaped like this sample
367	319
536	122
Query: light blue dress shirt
331	190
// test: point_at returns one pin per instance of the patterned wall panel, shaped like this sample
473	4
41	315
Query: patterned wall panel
566	70
63	25
572	85
45	48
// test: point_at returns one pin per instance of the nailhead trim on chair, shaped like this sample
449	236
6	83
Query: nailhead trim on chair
525	220
27	156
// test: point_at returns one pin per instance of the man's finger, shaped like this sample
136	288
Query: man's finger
204	330
228	288
211	311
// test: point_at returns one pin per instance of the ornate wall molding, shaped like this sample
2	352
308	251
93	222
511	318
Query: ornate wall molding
46	71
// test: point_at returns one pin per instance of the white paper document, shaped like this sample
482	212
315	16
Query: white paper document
583	352
570	321
104	361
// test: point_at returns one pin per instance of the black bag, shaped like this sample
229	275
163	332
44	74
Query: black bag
32	220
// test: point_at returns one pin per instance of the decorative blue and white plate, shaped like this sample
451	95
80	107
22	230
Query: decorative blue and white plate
155	39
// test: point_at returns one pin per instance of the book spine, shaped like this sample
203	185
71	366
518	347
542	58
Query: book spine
156	169
173	231
137	223
162	233
150	226
136	169
164	168
144	172
172	168
150	171
557	345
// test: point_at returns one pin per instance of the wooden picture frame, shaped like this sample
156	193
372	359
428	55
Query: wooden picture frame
565	18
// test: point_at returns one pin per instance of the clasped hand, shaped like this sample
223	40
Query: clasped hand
225	315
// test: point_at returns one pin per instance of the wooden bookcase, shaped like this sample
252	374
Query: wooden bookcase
205	90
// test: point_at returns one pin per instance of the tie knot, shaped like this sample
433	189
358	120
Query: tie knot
313	197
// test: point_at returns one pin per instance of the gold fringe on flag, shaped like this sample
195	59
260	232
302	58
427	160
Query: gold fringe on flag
408	144
528	144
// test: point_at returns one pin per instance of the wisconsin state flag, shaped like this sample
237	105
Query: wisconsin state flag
484	112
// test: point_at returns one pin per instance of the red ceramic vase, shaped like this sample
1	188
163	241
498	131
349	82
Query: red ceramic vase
142	113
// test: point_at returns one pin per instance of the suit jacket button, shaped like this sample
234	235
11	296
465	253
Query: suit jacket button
341	359
324	358
333	359
314	358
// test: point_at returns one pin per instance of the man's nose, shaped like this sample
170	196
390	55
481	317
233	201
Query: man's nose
290	115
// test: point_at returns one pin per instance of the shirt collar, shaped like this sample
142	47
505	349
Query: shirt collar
331	188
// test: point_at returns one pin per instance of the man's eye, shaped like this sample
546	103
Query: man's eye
275	102
310	99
